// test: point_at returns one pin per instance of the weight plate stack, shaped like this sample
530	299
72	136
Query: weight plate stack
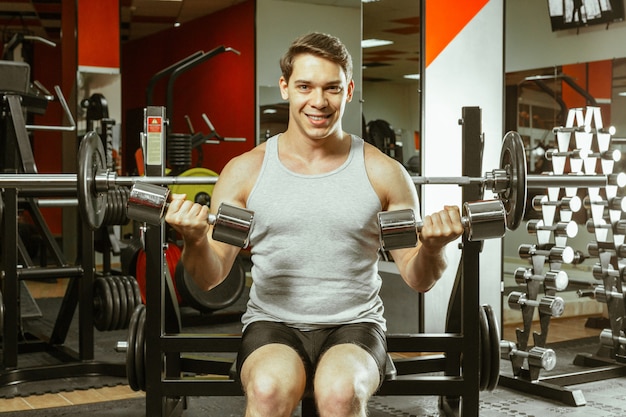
115	298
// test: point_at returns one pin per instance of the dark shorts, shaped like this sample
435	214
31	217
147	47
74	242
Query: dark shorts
311	345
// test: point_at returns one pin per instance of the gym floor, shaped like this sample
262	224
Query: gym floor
560	330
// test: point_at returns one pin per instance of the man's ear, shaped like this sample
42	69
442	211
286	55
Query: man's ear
350	91
283	84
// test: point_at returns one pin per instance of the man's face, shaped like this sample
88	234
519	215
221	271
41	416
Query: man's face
317	92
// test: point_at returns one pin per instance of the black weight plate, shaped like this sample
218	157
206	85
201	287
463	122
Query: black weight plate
136	290
222	296
115	302
484	359
130	300
103	300
494	341
121	291
91	161
513	160
140	349
131	339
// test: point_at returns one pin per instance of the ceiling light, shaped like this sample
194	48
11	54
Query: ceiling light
370	43
270	111
412	76
622	94
369	1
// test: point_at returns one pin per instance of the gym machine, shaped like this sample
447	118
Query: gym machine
156	338
19	98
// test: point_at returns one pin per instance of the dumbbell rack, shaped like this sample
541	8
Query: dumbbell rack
18	158
167	385
556	209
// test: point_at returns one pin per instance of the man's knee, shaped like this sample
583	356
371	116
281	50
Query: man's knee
273	377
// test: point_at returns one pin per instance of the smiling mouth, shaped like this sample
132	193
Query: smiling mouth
318	118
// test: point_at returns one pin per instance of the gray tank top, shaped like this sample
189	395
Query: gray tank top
314	245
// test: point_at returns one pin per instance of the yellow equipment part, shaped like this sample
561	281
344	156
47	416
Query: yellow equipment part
200	193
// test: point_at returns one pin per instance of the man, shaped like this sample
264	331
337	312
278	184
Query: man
314	319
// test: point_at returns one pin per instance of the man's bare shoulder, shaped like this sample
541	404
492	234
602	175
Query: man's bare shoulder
248	163
379	163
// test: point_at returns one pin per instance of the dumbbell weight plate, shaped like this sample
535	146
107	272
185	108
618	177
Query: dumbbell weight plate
222	296
91	160
513	160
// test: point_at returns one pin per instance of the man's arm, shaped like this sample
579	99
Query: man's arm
209	261
422	266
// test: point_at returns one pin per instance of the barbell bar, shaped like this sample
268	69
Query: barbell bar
92	181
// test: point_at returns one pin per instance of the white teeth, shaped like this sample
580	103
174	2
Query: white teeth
317	117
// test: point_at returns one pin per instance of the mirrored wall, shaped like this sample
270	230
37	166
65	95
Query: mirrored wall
386	107
537	102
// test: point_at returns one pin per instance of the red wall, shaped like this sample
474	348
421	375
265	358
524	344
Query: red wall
222	87
99	30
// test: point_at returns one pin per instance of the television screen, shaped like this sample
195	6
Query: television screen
572	14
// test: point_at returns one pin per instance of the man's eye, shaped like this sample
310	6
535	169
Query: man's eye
335	89
303	87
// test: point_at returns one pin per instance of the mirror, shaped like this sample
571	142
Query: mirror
537	101
386	106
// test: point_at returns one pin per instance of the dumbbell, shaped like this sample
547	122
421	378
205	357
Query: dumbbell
600	273
537	356
564	254
618	228
600	294
593	248
148	203
565	229
481	220
573	203
555	280
550	305
615	203
607	338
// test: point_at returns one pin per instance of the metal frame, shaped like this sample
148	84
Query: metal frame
79	292
166	386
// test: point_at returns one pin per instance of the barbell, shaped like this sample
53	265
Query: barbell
93	180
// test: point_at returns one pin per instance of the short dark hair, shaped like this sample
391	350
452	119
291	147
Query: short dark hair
319	44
